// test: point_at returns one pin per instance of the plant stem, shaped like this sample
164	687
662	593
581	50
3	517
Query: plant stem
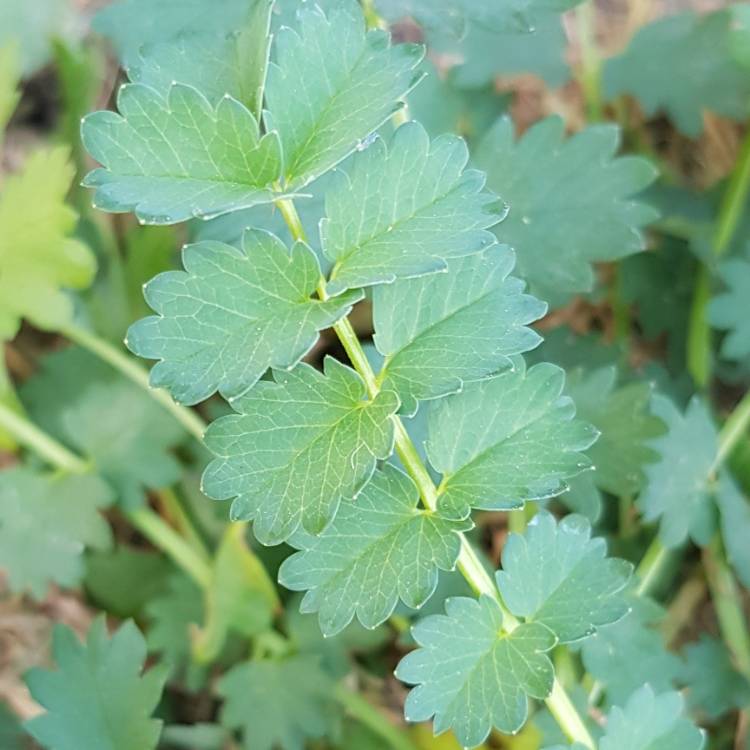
163	536
32	437
728	604
651	566
732	205
367	715
171	504
134	372
469	563
590	69
732	432
682	608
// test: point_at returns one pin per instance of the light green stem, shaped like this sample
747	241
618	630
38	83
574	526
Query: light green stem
163	536
176	513
469	563
651	566
590	69
40	442
367	715
728	604
732	432
133	371
730	212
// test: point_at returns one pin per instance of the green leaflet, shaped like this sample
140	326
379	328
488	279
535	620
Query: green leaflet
631	653
556	575
170	158
572	201
231	315
100	680
651	722
506	440
131	24
38	258
442	330
90	407
677	491
46	523
270	454
214	63
713	684
487	52
403	210
622	416
378	550
123	580
278	703
330	85
727	311
682	64
470	675
734	512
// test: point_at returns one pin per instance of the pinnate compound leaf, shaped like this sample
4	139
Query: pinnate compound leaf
728	310
231	315
330	85
445	329
734	512
97	696
378	549
624	419
46	523
677	491
470	675
555	574
402	210
571	201
171	158
87	405
631	653
215	63
651	722
38	257
278	703
506	440
131	24
297	447
682	64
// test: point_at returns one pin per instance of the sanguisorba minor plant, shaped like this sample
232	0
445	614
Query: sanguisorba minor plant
330	462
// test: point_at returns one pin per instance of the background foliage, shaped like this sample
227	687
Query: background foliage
572	187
